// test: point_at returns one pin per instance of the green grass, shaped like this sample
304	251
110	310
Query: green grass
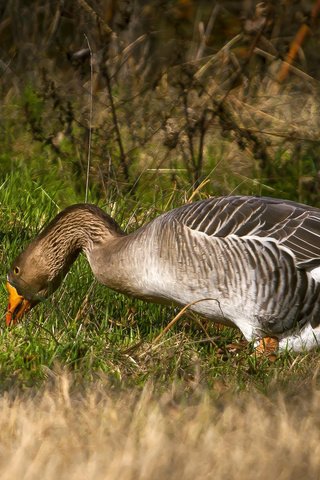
86	390
94	332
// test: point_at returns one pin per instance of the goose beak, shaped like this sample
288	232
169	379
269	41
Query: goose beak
17	306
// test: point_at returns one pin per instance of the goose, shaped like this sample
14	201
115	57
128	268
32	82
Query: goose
243	261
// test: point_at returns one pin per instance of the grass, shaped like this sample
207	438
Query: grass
91	330
87	391
91	385
68	433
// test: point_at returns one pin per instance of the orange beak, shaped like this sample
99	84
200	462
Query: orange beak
18	305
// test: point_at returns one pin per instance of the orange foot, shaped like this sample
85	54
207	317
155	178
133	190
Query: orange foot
268	347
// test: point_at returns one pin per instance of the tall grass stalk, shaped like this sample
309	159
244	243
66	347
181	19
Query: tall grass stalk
99	434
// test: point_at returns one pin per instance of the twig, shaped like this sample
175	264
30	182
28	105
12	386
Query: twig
207	32
55	23
214	58
42	327
90	121
201	145
197	190
293	69
189	133
203	328
96	17
296	44
179	315
123	160
84	303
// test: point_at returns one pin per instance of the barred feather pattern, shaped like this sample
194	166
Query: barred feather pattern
259	255
75	230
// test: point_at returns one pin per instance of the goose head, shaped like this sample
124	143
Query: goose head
39	270
33	277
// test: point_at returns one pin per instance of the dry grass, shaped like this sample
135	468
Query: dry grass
102	434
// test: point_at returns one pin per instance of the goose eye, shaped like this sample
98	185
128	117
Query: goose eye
16	270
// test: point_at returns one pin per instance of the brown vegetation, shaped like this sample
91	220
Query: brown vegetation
224	87
188	96
104	434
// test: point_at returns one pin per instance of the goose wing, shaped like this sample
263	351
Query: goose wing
293	225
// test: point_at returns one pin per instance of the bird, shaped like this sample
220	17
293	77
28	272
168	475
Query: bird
242	261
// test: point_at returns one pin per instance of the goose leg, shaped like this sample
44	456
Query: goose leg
268	346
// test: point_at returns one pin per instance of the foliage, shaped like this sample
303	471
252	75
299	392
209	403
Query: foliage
93	331
195	102
206	98
198	94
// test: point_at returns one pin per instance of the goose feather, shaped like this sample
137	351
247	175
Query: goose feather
250	262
